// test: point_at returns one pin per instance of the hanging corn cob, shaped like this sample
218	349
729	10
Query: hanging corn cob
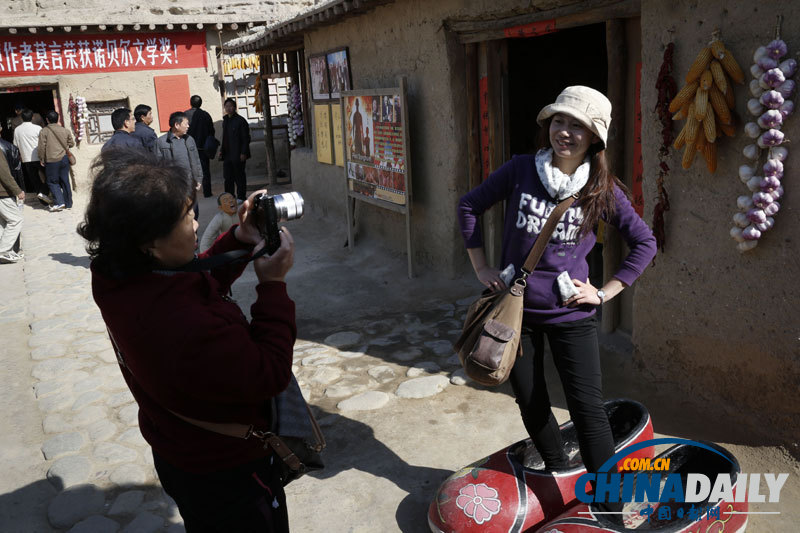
706	102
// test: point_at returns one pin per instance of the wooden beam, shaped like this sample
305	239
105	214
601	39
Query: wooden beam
615	153
272	175
579	14
473	116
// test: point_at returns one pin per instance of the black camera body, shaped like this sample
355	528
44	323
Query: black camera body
270	211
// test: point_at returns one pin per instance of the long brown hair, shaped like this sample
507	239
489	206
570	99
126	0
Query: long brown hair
597	196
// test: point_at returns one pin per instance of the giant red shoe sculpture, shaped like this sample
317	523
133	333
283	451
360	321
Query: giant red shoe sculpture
698	459
510	491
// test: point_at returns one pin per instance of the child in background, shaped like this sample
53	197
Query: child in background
221	222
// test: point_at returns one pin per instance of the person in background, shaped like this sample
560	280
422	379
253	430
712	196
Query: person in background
201	127
178	147
222	221
14	160
19	107
54	140
26	139
235	150
12	156
124	125
11	194
142	130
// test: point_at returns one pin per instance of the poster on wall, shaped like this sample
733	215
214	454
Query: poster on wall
318	71
322	122
338	135
339	72
375	144
375	127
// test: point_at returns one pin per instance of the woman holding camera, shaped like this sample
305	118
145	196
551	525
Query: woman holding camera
571	161
184	349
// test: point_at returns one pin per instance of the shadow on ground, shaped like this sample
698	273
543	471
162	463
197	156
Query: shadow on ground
67	258
43	506
352	445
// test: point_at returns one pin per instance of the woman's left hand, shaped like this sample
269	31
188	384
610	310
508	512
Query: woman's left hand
247	232
587	295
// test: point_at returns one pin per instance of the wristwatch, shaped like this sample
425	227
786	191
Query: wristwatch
602	295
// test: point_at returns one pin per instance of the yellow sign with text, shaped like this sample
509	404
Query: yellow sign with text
338	138
322	124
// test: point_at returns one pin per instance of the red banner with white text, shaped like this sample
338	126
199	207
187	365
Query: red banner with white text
40	55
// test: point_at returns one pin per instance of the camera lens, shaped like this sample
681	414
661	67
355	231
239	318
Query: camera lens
288	206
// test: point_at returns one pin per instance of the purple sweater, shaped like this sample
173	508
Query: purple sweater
527	210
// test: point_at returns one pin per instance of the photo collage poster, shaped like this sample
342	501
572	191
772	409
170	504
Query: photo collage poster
376	162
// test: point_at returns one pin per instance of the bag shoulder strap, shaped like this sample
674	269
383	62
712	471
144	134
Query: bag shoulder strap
544	236
60	141
244	431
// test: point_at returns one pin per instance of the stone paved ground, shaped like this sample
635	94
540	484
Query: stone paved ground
373	358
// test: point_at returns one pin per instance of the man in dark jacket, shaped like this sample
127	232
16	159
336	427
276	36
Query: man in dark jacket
14	161
235	150
178	147
201	127
124	125
144	117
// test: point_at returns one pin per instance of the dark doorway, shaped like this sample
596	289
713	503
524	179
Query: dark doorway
38	99
539	68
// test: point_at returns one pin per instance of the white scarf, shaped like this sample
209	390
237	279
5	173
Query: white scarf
558	184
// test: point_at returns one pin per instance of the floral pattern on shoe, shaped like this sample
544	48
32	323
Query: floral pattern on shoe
478	502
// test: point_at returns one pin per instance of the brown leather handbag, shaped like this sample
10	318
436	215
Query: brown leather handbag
490	341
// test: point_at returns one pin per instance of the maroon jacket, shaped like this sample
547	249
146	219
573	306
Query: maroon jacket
188	350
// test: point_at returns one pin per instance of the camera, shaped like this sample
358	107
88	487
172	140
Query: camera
270	211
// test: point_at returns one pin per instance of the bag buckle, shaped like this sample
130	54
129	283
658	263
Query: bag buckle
260	434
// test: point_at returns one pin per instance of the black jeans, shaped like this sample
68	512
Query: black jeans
235	177
576	355
247	498
204	164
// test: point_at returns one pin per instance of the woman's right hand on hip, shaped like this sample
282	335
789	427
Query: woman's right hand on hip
491	278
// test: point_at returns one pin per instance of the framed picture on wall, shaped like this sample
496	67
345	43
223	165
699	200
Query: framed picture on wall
339	72
320	84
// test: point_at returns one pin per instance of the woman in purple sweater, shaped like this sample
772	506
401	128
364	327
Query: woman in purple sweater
571	161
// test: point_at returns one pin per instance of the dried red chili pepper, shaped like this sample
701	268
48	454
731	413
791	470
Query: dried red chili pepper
667	89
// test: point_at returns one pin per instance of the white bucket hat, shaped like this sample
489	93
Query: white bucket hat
589	106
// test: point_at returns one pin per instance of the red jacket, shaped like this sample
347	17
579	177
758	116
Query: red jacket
188	350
